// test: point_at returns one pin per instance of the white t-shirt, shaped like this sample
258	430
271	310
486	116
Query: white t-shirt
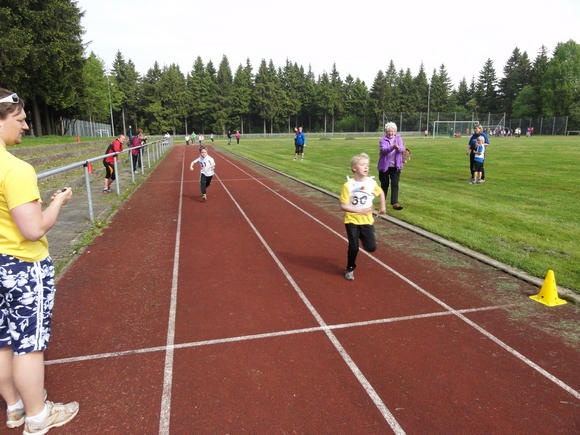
206	163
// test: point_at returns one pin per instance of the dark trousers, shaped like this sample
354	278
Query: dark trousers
204	182
137	160
366	234
472	164
393	175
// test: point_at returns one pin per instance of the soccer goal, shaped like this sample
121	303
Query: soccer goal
453	128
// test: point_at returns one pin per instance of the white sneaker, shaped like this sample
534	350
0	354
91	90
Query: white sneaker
58	415
349	275
16	418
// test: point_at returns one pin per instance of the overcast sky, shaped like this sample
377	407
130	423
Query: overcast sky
361	37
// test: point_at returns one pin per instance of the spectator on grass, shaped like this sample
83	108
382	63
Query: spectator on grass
478	160
27	282
229	137
471	147
237	137
109	162
391	162
299	141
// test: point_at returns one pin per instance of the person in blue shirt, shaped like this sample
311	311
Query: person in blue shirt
299	142
471	147
478	158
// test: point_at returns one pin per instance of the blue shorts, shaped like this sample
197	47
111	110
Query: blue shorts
26	301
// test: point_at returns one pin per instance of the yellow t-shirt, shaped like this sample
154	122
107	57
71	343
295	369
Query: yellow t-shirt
18	185
359	194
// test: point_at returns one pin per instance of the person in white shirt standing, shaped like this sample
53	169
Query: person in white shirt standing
207	170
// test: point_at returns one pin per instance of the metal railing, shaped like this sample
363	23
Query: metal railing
154	150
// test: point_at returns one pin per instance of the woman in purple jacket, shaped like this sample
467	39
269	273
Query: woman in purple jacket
391	162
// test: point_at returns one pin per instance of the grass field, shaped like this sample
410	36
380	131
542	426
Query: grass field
29	141
525	215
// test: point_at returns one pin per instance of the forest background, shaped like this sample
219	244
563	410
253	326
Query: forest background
58	79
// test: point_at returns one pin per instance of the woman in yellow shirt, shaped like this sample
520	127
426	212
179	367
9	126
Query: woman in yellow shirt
26	281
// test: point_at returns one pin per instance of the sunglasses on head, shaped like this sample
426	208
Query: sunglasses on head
10	99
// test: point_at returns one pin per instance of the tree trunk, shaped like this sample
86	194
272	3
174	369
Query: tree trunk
123	118
46	120
242	123
325	123
264	126
271	126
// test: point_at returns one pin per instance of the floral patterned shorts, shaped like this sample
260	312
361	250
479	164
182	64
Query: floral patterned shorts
26	301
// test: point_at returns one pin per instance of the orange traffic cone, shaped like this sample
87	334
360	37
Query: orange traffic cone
89	168
78	139
548	294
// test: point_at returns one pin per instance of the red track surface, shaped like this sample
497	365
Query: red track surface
335	356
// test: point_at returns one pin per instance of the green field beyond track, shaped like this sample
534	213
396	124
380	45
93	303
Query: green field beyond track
525	215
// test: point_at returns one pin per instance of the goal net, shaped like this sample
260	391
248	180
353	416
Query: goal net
453	128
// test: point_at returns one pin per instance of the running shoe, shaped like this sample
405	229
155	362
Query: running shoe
16	418
349	275
58	415
204	196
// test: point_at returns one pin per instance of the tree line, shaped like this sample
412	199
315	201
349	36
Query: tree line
43	59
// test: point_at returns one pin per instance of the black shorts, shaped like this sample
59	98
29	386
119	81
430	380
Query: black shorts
299	149
109	170
477	166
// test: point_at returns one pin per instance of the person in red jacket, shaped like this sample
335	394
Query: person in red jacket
109	162
136	152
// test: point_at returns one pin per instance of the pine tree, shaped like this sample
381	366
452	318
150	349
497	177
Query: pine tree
486	89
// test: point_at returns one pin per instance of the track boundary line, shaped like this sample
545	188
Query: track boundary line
240	338
474	325
165	412
387	415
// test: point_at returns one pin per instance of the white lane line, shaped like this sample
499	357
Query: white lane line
165	412
474	325
266	335
345	356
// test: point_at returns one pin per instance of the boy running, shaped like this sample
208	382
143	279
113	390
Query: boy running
206	165
356	200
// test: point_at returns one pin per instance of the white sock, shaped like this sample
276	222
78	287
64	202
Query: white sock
17	405
38	418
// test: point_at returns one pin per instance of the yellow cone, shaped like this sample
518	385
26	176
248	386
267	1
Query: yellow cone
549	293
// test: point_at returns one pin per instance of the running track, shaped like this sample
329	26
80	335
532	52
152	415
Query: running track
232	316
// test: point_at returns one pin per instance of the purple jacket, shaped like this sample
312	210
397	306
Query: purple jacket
389	157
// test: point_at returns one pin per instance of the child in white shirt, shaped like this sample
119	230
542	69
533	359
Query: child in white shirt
206	165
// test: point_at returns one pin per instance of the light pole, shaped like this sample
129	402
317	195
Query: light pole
110	107
428	103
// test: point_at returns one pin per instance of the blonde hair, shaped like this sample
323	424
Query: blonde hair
355	159
482	139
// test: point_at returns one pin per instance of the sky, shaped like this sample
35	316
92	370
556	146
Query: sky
360	37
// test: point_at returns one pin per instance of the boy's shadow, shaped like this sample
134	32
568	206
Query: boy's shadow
325	265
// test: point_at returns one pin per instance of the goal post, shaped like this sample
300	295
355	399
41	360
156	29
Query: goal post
453	128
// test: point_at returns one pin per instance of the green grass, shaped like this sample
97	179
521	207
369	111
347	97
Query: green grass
29	141
525	215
